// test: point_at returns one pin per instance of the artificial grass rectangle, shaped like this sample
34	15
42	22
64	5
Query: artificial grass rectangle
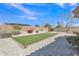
26	40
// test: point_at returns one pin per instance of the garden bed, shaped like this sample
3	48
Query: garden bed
74	42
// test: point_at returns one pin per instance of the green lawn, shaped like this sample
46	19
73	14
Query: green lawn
26	40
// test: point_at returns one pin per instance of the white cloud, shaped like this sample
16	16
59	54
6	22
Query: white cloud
76	24
32	18
25	10
28	13
60	4
72	4
20	7
27	17
63	4
37	4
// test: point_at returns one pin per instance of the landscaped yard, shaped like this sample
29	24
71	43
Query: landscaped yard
74	41
26	40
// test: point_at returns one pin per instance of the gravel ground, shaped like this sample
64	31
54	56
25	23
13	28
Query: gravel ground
58	48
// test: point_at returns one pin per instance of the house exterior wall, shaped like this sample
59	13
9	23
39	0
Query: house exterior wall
74	29
60	29
71	30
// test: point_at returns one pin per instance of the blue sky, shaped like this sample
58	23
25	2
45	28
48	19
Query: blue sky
36	13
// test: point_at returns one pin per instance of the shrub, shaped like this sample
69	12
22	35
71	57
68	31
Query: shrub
74	40
30	30
51	29
36	31
17	27
16	32
77	33
5	34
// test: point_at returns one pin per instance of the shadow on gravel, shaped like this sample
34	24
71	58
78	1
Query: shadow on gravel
58	48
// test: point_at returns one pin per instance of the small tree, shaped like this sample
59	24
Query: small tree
37	25
68	21
48	26
59	25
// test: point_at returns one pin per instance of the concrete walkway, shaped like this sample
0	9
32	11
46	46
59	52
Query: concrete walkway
8	47
54	45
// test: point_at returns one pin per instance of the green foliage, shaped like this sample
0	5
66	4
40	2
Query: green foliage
17	24
17	27
37	25
37	31
49	26
74	40
58	25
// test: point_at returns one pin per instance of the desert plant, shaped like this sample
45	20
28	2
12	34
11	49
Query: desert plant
77	33
30	30
36	31
74	40
5	34
17	27
16	32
